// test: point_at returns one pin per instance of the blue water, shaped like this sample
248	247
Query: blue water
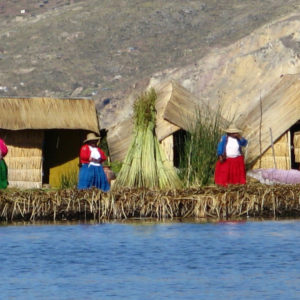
250	260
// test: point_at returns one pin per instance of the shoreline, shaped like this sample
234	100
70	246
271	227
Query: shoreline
211	202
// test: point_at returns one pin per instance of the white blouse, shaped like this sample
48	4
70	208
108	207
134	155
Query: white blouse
232	148
95	154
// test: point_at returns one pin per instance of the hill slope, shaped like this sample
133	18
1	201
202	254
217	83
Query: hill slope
106	49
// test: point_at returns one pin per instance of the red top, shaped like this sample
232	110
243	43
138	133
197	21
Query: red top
85	154
3	148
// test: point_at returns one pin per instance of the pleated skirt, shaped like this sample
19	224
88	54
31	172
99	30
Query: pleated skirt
231	171
92	176
3	174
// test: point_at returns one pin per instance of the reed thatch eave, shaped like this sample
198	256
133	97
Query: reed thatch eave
176	108
183	109
119	136
48	113
278	111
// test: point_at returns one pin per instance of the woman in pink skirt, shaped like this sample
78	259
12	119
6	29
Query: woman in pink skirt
230	167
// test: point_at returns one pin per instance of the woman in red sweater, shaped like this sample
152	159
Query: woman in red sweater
230	167
91	173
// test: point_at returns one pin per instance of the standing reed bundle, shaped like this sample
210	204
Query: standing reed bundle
145	164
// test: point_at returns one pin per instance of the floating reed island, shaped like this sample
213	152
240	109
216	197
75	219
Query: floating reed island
253	200
154	189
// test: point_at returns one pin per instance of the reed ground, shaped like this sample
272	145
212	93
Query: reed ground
212	202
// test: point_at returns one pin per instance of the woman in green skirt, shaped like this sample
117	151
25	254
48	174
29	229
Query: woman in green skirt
3	166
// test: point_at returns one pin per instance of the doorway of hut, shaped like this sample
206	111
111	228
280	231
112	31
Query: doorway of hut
179	138
61	157
295	146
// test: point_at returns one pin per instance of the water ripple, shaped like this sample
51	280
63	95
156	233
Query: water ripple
248	260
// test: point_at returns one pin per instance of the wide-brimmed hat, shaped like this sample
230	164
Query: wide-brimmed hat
91	137
232	129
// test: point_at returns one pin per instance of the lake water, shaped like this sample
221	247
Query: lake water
147	260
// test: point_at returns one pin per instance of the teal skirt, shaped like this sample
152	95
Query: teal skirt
3	174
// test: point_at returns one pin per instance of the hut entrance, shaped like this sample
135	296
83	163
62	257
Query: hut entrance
295	146
179	144
60	156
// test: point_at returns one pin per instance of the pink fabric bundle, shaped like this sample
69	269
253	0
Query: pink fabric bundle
276	176
3	148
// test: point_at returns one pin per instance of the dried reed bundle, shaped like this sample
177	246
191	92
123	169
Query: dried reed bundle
145	164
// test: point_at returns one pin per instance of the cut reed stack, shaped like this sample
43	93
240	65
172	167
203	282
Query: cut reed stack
145	164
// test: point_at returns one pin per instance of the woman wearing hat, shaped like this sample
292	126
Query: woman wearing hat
91	173
230	167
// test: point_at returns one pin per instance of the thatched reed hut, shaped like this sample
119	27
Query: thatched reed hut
177	109
273	127
44	137
119	137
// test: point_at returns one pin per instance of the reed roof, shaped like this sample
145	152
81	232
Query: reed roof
48	113
119	137
176	109
278	111
184	109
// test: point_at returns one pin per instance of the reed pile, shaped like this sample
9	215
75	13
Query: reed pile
145	164
253	200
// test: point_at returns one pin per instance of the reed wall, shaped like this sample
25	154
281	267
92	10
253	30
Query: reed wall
24	158
279	111
281	153
296	143
167	145
35	156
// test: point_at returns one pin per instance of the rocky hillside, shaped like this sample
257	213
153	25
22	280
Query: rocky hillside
254	80
239	76
108	49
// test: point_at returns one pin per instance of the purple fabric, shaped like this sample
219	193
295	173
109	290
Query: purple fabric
272	176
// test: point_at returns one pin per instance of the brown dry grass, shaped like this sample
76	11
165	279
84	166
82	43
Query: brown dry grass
252	200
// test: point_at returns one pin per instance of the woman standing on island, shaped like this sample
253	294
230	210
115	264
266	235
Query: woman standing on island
91	173
230	167
3	166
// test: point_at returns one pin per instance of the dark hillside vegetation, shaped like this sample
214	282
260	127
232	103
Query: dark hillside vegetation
106	49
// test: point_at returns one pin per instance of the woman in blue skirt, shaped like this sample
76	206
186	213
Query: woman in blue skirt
91	173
